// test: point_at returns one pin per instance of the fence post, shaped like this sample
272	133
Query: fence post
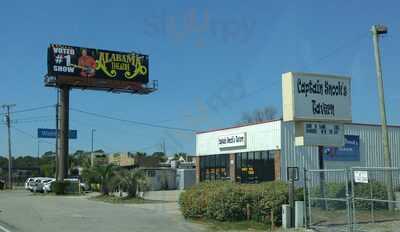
306	201
348	202
353	203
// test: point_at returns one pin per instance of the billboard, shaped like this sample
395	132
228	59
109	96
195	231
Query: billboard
51	133
349	152
88	63
316	97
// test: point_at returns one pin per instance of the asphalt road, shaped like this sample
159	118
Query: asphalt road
20	211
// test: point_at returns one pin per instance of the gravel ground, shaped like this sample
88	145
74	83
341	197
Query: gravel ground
20	211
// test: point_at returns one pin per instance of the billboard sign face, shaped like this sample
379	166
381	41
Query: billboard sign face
234	140
316	97
88	63
319	134
51	133
349	152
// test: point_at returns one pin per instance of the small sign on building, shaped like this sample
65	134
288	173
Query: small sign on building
361	177
233	140
319	134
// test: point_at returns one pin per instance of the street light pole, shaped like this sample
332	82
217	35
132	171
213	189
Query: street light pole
376	31
91	154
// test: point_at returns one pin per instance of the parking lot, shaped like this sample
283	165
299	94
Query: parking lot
21	211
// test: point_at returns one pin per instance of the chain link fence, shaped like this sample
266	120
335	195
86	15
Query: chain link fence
375	198
354	199
328	200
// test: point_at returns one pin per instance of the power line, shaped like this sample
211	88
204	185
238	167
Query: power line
29	135
28	121
342	46
275	83
35	117
131	121
30	109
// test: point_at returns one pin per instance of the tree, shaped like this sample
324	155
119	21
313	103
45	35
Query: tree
102	175
80	158
160	155
140	154
259	115
132	181
180	154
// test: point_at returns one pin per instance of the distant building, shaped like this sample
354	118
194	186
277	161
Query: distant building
160	178
123	159
100	158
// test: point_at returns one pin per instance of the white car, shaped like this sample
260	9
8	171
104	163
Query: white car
40	185
37	184
47	185
27	182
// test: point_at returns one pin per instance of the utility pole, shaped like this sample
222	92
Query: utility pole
91	154
38	149
376	31
8	121
163	147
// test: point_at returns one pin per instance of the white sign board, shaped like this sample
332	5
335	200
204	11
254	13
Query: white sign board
361	177
233	140
316	97
319	134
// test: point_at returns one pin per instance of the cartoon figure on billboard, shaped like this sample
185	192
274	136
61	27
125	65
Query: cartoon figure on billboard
87	64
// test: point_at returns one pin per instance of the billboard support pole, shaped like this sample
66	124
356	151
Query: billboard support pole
57	125
64	128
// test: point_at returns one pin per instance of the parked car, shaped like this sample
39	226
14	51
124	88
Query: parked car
28	181
84	187
40	185
2	184
37	184
47	186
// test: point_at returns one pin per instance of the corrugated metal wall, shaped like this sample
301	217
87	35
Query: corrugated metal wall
291	155
371	150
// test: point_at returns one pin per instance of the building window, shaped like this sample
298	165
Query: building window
214	167
151	173
254	167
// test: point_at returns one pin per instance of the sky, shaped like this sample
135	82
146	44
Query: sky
213	61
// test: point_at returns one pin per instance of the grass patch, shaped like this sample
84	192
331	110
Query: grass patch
232	226
124	200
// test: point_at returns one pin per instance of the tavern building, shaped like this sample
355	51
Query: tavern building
263	151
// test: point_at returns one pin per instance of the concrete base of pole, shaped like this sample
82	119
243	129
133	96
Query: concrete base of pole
286	217
299	214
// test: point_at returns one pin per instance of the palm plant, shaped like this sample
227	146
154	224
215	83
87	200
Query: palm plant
131	181
102	175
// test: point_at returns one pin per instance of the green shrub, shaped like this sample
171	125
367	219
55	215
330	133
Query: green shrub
60	188
333	191
378	190
228	201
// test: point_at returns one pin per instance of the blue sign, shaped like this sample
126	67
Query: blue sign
51	133
349	152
